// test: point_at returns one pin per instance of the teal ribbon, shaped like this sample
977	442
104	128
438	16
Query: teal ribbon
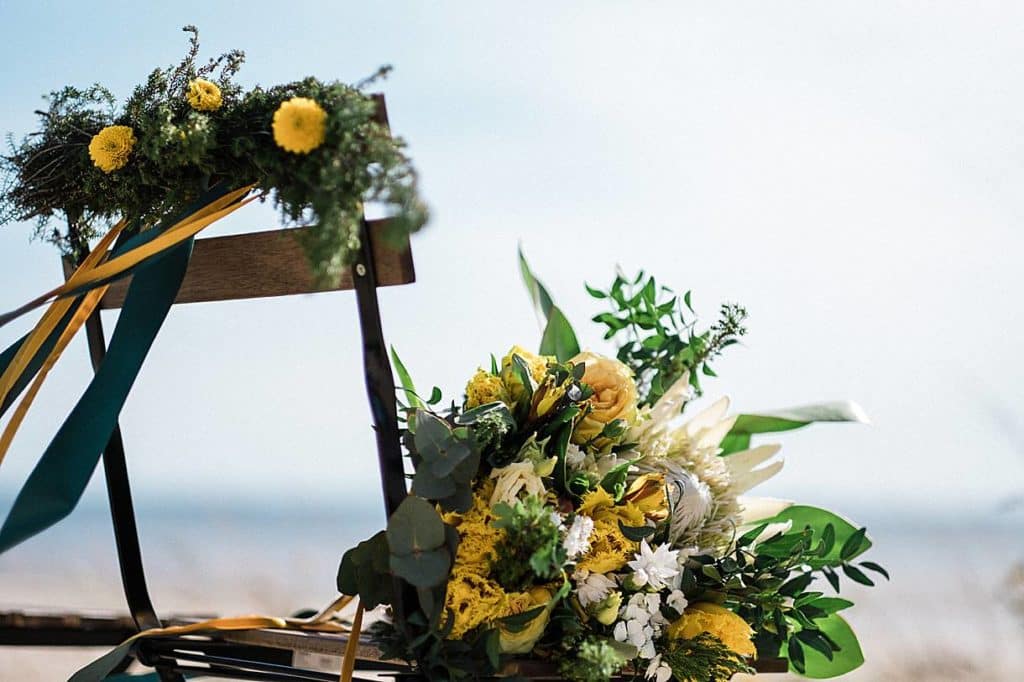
58	480
56	484
7	357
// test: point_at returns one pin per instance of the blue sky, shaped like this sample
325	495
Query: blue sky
848	171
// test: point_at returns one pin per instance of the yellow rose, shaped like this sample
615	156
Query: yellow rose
485	388
204	95
647	493
522	642
733	631
615	397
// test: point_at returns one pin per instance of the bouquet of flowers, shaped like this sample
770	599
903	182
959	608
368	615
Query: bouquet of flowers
570	509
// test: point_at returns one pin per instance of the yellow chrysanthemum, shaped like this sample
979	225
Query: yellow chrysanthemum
110	148
733	631
609	551
473	600
204	95
485	388
299	125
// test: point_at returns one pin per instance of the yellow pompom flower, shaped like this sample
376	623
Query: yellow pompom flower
730	629
204	95
609	551
485	388
300	125
110	148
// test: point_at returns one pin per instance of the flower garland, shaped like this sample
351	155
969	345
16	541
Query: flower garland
317	148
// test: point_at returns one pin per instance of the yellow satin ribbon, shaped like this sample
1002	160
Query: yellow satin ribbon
318	623
96	268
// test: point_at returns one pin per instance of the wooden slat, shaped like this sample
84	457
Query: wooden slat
267	264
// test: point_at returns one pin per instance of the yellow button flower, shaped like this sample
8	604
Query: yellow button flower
110	148
733	631
300	125
204	95
485	388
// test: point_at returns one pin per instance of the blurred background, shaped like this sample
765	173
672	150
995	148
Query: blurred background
848	171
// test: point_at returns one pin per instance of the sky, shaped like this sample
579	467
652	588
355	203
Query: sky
848	171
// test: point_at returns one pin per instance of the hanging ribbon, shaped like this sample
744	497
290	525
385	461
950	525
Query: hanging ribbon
158	259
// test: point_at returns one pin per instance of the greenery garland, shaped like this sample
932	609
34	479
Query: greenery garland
315	147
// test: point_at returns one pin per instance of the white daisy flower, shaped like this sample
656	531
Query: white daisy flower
654	568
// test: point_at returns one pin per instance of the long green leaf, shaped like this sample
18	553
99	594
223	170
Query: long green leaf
403	376
538	294
789	419
559	339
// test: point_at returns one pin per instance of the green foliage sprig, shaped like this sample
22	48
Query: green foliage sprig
532	546
179	152
657	340
703	658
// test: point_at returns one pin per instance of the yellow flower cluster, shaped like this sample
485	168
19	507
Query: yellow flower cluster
733	631
506	386
609	548
110	148
300	125
204	95
485	388
473	598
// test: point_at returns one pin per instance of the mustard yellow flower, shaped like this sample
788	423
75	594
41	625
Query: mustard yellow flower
110	148
522	641
300	125
733	631
609	551
473	600
485	388
204	95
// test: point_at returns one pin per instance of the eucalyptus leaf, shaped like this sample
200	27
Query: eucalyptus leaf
422	569
414	527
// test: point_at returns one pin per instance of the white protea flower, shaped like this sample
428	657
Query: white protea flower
704	487
577	539
656	568
592	588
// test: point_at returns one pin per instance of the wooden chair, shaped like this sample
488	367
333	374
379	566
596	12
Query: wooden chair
255	265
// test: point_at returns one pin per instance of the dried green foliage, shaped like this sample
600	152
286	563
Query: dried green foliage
180	152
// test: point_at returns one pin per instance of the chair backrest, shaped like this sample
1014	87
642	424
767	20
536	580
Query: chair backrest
259	265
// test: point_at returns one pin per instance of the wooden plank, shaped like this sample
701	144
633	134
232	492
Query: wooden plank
268	264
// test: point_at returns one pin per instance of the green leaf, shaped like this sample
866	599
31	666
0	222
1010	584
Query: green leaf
559	339
816	641
872	566
414	527
831	604
538	294
848	657
851	547
423	569
795	654
796	417
636	533
425	484
804	516
403	376
614	482
857	575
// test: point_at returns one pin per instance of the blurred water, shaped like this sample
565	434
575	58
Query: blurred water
945	616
